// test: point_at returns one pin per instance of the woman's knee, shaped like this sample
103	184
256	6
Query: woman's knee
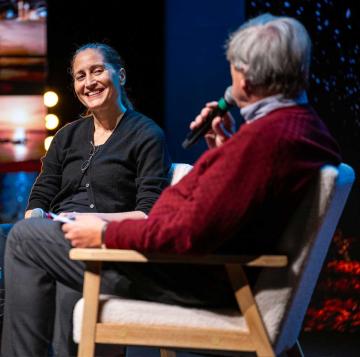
16	231
30	230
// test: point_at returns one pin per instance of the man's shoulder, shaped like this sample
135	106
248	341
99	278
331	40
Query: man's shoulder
289	121
285	127
283	116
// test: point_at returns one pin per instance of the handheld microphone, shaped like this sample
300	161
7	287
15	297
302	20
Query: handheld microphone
39	213
224	104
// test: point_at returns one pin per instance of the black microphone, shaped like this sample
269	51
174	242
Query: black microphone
224	104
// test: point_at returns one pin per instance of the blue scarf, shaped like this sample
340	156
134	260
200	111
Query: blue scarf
264	106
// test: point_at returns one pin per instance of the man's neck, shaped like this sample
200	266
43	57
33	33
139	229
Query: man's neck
250	100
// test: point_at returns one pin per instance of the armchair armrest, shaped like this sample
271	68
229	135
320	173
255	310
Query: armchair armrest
122	255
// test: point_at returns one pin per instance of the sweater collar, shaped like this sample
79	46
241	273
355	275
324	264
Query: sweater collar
266	105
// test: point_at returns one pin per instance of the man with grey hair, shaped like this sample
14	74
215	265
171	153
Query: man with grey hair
238	197
274	55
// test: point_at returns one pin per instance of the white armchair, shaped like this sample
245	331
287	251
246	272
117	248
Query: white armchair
270	315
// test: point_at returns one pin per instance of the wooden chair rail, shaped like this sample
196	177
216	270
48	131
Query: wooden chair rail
172	336
122	255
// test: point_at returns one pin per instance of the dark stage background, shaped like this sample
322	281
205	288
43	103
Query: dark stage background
174	55
334	92
135	29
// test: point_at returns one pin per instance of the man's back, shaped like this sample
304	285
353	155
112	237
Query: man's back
284	151
240	195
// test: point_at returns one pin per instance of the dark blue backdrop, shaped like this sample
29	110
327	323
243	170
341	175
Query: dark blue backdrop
196	70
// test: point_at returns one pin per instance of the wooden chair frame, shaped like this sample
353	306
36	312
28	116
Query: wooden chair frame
313	225
168	338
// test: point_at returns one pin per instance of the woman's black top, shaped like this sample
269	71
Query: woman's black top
126	173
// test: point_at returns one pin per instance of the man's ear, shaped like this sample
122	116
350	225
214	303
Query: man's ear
122	76
247	87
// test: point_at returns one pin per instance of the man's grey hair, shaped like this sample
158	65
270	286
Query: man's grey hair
273	53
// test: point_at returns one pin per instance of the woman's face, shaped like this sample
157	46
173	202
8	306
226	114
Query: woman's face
96	83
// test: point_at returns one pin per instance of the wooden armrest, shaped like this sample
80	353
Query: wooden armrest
122	255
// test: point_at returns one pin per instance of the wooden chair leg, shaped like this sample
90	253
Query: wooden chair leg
295	351
250	311
167	353
90	312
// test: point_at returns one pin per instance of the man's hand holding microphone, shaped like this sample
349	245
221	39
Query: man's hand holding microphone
214	122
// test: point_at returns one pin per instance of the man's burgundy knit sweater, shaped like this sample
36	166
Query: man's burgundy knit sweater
239	197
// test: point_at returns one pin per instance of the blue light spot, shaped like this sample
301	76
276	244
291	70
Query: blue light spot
342	59
319	27
336	31
22	176
326	23
317	13
348	13
10	14
286	4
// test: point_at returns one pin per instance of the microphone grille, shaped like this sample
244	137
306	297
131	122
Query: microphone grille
228	96
37	213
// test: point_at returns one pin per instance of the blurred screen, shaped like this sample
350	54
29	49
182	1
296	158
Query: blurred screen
22	127
22	79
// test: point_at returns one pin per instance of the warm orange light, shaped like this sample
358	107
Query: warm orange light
51	121
50	99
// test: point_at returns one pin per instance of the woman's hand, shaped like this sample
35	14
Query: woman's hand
222	128
28	214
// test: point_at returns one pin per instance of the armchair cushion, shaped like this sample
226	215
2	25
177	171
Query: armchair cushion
117	310
271	316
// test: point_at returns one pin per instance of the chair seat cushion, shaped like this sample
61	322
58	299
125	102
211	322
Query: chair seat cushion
115	309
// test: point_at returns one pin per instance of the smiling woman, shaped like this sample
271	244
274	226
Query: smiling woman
126	148
97	83
112	162
95	68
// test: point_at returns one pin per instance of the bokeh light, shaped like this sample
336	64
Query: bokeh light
47	142
51	121
50	99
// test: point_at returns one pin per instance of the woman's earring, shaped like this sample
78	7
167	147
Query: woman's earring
122	76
